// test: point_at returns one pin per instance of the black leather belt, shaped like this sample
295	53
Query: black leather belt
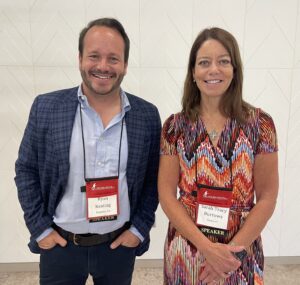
90	239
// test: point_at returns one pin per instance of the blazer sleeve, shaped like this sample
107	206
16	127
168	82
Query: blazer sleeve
27	177
144	216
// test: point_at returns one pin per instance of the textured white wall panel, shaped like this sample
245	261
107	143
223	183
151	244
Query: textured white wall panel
15	48
38	54
291	195
162	87
297	44
131	82
57	77
55	27
165	31
270	28
227	14
290	232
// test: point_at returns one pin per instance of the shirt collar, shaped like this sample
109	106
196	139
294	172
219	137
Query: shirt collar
85	104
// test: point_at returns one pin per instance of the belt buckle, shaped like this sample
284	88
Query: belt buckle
74	240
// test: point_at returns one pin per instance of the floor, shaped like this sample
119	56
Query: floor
274	275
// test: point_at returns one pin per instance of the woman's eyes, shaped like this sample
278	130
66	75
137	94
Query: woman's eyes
222	62
203	63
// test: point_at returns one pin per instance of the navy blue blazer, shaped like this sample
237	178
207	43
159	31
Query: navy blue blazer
42	166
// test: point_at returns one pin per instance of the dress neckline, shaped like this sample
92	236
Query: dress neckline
217	142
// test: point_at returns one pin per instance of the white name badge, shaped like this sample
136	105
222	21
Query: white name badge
102	206
102	199
213	216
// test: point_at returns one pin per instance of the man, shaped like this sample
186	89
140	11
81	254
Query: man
87	168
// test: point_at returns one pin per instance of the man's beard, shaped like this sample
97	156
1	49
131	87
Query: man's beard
89	85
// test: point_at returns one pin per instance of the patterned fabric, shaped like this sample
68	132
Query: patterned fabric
42	166
190	141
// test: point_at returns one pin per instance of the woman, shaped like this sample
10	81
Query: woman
221	153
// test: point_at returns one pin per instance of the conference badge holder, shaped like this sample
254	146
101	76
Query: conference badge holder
102	198
213	207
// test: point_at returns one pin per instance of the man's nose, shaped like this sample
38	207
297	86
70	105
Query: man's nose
102	64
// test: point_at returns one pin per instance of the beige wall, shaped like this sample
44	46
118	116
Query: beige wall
38	53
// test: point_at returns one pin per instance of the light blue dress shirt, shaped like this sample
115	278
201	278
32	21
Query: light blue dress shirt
102	157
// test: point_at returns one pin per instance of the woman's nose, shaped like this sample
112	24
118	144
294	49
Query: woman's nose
214	67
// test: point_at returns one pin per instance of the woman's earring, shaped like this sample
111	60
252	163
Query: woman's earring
194	80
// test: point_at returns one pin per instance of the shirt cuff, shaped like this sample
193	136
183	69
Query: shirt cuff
44	234
136	233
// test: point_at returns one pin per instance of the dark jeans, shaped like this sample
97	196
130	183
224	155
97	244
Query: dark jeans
72	264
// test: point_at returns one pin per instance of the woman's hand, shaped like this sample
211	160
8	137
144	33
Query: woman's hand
219	261
209	275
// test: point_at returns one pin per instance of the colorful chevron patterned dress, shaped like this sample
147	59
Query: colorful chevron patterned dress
238	144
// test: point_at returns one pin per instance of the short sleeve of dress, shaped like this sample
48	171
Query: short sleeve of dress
168	142
267	141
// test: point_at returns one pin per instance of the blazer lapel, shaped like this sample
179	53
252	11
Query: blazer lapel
63	120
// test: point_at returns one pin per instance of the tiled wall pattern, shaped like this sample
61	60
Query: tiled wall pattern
38	53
